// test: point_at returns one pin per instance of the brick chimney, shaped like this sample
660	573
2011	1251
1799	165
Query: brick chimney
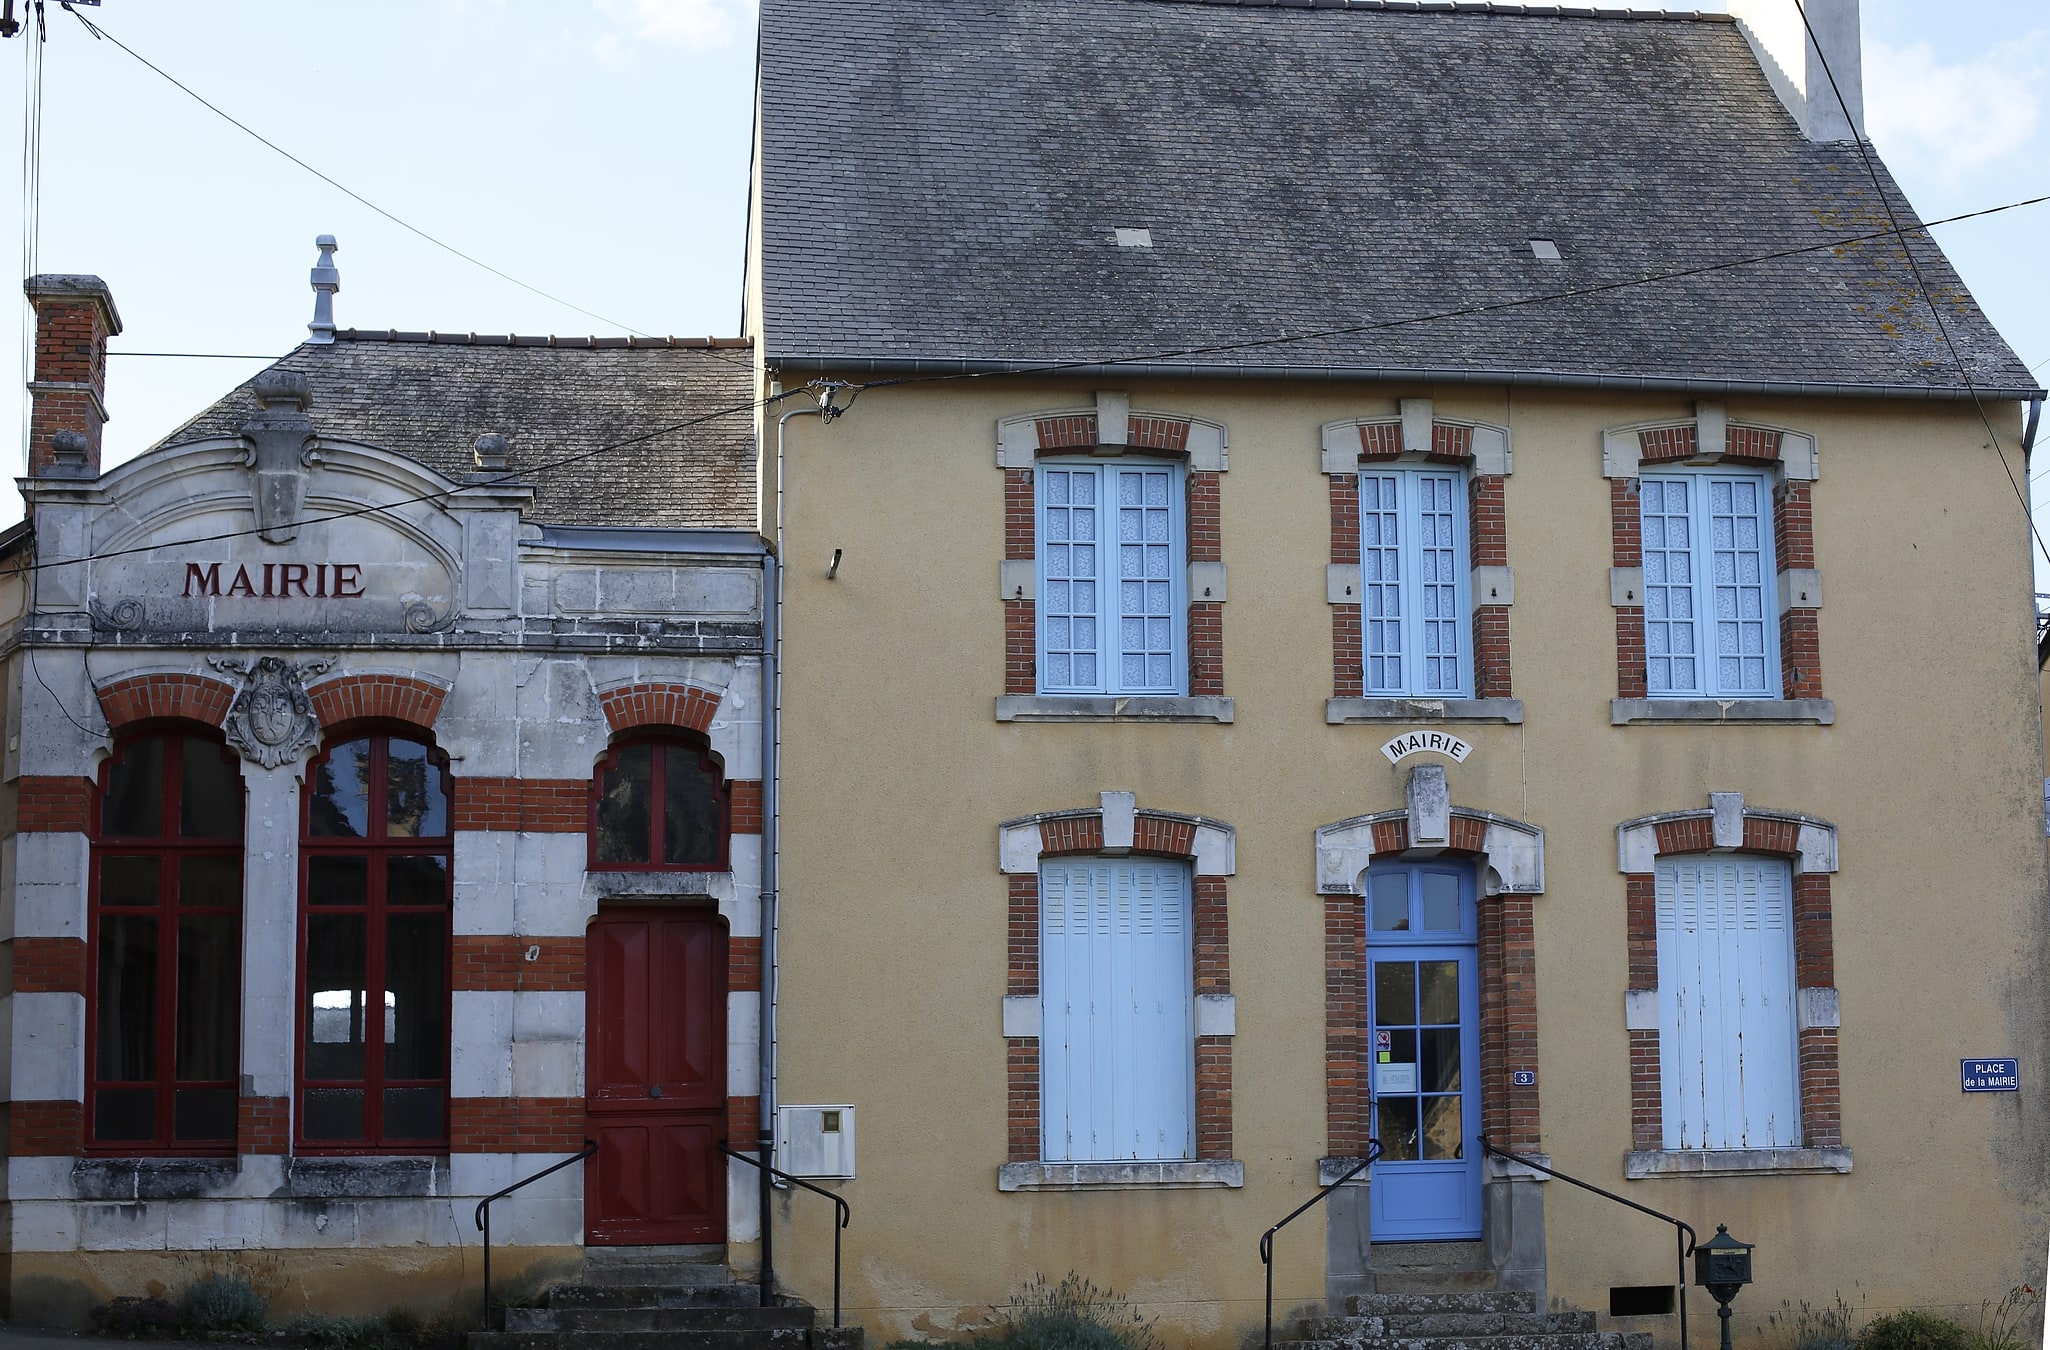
1800	69
75	316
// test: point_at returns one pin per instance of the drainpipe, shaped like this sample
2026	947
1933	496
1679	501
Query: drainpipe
772	777
2030	428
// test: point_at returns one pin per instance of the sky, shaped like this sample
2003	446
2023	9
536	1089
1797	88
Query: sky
596	150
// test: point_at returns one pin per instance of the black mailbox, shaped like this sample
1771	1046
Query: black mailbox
1722	1264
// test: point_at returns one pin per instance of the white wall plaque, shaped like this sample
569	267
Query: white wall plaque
1426	742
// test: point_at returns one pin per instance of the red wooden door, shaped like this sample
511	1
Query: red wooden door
656	1079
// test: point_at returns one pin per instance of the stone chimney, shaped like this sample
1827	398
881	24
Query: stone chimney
1800	68
75	316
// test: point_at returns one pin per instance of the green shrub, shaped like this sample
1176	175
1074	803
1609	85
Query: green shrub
1913	1329
2000	1324
1803	1327
336	1333
219	1301
1071	1315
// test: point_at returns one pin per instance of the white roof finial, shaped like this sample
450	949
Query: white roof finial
326	281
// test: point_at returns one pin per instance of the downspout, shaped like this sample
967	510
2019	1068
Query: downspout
2030	428
772	778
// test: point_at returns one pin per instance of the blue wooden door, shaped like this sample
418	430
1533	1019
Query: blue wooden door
1423	1037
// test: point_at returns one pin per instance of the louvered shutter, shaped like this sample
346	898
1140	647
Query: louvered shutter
1117	1049
1727	1041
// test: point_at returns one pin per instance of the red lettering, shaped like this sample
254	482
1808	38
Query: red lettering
269	569
240	585
346	576
208	578
320	580
291	575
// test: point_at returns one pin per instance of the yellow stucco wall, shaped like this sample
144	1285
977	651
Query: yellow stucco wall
896	776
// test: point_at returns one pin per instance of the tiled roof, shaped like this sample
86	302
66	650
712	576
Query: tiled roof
430	395
944	182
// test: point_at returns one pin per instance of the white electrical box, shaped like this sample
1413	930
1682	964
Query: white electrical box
815	1141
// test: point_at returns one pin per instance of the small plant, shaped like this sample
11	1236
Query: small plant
1073	1314
1913	1329
336	1333
221	1301
2000	1324
1804	1327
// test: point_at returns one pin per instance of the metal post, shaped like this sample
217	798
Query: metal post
1724	1313
485	1224
768	1230
1681	1236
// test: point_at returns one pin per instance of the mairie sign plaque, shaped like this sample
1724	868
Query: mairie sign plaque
1426	742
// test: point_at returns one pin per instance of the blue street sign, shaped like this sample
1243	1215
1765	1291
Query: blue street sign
1991	1075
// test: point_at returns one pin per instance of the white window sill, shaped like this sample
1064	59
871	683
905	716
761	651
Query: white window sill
1112	708
1733	1162
1121	1176
1356	711
1812	711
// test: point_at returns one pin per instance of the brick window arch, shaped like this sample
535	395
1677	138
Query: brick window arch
375	857
163	1021
660	803
1804	850
1116	832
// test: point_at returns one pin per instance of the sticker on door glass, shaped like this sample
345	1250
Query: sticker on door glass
1381	1040
1394	1078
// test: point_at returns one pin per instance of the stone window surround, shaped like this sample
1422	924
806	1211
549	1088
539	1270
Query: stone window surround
1792	457
1417	435
1112	428
1809	844
1510	859
1118	827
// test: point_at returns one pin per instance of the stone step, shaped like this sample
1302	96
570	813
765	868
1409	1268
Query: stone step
1408	1325
654	1273
1434	1281
1402	1303
1592	1340
728	1338
1430	1256
726	1294
688	1317
695	1253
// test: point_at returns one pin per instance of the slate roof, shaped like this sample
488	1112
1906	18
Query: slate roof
942	180
429	396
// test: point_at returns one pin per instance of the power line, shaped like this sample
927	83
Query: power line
1922	283
98	32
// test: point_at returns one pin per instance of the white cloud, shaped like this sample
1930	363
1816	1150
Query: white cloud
692	24
1949	120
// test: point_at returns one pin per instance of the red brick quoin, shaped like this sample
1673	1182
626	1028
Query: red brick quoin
53	805
1508	1002
1772	834
1157	835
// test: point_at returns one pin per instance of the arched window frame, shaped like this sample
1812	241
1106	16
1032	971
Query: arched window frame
663	744
170	909
377	911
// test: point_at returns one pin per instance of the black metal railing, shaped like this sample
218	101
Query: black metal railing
484	1213
1267	1238
846	1215
1684	1231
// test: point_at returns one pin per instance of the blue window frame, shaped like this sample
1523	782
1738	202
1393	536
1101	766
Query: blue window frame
1414	579
1112	566
1711	627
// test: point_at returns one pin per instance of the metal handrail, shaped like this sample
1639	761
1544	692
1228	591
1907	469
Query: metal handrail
1267	1238
768	1261
1684	1230
484	1214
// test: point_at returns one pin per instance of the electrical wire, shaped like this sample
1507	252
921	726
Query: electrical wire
856	390
1922	282
100	32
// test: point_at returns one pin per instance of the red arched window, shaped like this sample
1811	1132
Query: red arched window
374	860
165	1016
660	804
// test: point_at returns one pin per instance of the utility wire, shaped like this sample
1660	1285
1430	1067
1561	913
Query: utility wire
1922	283
99	32
856	390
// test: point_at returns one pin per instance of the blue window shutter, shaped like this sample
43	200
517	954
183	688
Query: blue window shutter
1112	561
1117	1049
1070	589
1711	626
1728	1048
1414	567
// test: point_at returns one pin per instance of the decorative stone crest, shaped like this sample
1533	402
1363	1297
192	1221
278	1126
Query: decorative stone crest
272	720
281	443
